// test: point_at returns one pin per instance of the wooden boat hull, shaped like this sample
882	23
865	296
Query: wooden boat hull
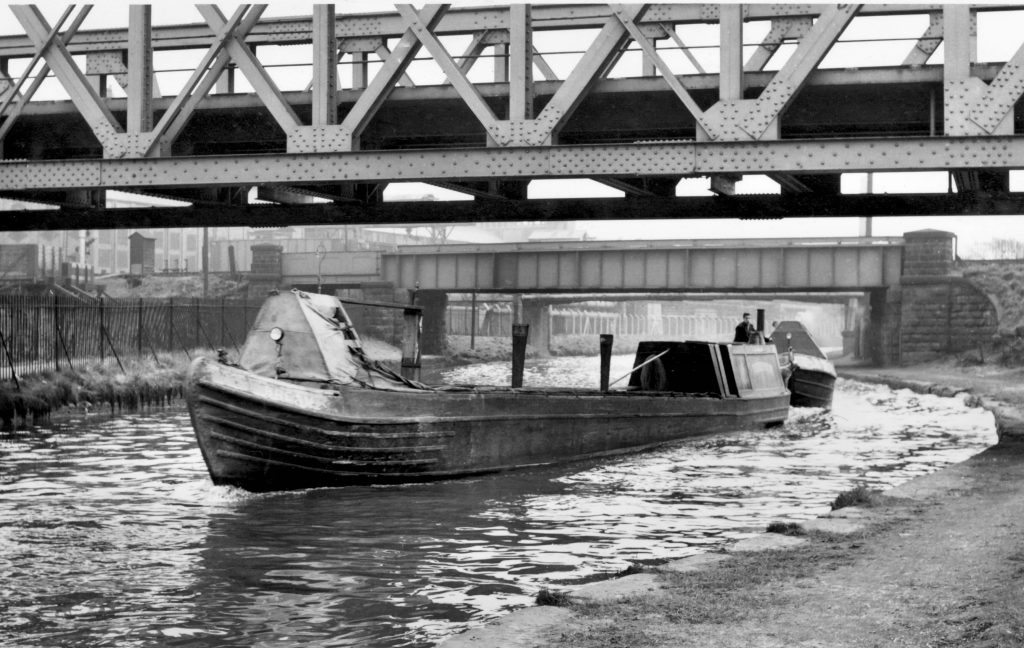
263	434
812	377
811	388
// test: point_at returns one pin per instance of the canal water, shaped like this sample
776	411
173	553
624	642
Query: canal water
112	535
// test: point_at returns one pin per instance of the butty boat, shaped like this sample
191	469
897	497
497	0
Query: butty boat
811	376
305	407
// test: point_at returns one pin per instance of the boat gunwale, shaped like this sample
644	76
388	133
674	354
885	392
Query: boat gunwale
410	420
206	380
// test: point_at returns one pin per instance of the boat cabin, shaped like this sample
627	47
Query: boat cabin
707	369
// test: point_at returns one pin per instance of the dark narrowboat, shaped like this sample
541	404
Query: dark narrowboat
305	407
812	377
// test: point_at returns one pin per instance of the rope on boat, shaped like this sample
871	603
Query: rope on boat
639	366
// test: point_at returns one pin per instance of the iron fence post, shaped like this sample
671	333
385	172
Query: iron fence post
56	336
170	324
103	352
140	328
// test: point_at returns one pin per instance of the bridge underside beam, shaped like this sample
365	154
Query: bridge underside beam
671	159
768	266
633	207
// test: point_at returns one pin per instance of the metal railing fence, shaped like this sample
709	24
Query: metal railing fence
41	333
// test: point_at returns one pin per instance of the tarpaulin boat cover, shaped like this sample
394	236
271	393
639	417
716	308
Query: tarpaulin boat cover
800	339
318	344
806	353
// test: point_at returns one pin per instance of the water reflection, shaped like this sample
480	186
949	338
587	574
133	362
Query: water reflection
111	533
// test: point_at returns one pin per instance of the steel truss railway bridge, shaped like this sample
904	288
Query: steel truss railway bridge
484	100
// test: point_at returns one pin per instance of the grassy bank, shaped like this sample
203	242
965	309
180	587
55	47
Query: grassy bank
95	386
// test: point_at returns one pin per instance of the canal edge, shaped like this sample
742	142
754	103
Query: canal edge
531	626
1009	418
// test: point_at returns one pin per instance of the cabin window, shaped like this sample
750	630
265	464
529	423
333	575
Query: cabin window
739	366
763	371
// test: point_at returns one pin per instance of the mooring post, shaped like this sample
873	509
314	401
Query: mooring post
606	358
411	342
520	332
472	324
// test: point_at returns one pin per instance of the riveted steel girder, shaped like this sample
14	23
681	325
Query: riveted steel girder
798	124
761	206
651	266
654	159
460	20
104	126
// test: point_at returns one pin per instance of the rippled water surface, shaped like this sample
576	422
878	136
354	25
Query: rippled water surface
111	533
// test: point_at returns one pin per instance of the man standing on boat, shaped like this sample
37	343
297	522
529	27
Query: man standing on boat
744	330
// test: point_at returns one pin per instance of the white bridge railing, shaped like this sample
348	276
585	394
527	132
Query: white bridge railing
495	320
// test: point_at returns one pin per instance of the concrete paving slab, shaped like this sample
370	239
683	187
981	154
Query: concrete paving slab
617	589
694	563
850	513
834	525
525	628
767	542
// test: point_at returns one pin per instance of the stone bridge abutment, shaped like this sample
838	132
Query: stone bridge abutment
934	311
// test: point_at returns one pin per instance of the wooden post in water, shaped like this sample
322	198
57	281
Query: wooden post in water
472	324
606	358
411	342
520	333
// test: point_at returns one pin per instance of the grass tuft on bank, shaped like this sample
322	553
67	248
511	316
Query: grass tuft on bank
786	528
95	386
859	495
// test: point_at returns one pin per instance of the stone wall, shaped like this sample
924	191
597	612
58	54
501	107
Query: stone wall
939	311
928	253
1003	282
266	261
942	316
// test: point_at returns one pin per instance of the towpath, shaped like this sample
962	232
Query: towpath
938	561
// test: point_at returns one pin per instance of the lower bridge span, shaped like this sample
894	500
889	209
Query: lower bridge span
719	265
914	303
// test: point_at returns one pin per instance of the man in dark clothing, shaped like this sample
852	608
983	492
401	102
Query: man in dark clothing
744	330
